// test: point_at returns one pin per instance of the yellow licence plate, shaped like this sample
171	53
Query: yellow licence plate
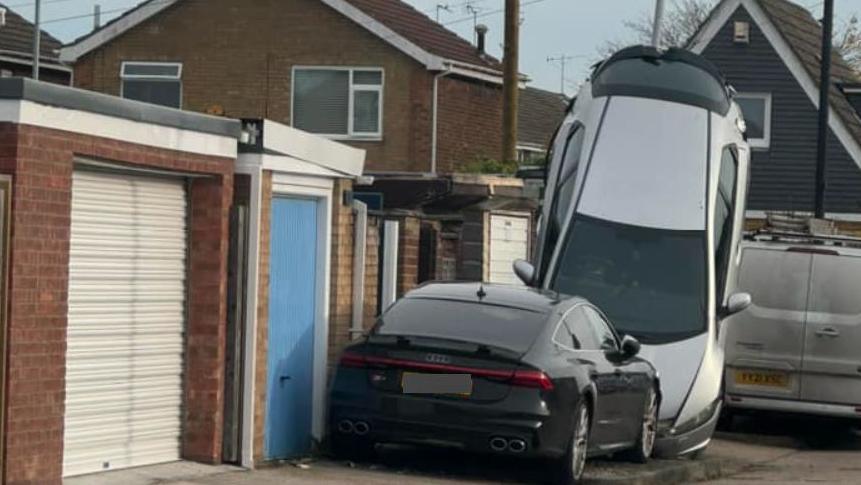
759	378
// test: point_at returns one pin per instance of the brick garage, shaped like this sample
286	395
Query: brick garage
44	132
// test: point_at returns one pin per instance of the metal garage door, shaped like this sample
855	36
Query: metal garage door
126	322
509	241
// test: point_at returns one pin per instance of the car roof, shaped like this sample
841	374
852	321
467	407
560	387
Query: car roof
522	297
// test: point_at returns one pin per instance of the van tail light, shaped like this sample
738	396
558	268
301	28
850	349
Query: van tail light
532	378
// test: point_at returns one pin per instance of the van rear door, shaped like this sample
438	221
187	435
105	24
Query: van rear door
832	356
764	344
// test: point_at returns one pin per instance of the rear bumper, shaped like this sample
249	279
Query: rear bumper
672	445
392	420
792	406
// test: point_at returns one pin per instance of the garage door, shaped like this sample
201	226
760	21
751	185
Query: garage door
509	241
126	322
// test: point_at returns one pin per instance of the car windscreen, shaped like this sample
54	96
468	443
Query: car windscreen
651	283
662	79
492	325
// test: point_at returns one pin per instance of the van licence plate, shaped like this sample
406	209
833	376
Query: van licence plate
764	379
451	384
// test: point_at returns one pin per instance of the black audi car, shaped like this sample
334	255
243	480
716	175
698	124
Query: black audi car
496	369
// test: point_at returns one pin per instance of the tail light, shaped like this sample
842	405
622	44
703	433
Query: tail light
521	378
532	378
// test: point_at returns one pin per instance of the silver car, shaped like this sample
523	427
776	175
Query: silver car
797	348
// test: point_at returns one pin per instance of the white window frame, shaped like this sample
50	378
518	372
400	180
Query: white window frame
139	77
765	141
351	133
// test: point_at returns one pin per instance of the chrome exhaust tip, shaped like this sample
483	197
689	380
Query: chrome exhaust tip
498	444
361	428
517	446
346	426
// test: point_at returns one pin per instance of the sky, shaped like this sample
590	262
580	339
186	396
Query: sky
550	29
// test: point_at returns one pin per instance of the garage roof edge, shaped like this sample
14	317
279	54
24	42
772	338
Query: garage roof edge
78	99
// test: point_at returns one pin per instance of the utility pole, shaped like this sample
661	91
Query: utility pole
824	107
37	39
511	80
562	60
659	20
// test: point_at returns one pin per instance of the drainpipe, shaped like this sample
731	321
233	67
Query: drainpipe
435	120
360	236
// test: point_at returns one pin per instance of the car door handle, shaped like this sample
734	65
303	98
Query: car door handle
828	332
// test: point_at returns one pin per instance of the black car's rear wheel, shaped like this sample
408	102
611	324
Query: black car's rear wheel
648	431
571	466
351	447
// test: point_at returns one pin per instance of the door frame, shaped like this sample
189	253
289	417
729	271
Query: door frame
320	190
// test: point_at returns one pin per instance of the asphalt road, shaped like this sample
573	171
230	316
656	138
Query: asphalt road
796	450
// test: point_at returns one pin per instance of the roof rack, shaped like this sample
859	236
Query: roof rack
797	237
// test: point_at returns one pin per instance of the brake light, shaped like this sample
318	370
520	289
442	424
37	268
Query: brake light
532	378
350	359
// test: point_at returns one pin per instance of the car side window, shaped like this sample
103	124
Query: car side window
601	329
576	332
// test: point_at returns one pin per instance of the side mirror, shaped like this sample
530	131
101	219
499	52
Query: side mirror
737	303
630	347
525	271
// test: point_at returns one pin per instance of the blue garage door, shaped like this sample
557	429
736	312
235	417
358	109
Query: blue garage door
292	311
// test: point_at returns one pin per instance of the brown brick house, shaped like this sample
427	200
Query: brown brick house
16	50
377	74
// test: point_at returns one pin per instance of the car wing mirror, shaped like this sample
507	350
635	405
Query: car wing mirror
525	271
737	303
630	347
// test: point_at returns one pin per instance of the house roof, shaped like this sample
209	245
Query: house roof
16	38
425	32
539	114
394	21
798	43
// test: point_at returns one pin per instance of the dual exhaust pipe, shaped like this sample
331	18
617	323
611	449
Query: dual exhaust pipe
513	445
359	428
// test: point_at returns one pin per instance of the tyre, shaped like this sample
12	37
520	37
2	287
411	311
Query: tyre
351	448
648	431
570	467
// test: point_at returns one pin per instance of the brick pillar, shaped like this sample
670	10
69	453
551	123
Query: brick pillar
207	318
341	275
408	254
41	221
261	352
372	271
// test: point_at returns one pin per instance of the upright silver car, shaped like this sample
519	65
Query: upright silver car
797	348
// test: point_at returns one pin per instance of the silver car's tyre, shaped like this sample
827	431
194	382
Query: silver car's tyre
571	466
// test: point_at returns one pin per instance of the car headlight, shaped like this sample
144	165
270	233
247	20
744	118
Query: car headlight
697	421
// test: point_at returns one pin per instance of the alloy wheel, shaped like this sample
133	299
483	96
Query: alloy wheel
581	443
650	424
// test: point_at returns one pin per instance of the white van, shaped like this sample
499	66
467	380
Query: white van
796	349
643	213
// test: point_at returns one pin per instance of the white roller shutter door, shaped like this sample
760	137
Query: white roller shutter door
509	241
126	326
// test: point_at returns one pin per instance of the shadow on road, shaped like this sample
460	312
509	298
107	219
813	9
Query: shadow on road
805	432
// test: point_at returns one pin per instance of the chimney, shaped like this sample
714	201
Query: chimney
97	17
481	30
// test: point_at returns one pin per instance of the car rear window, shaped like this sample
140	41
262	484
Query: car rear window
498	326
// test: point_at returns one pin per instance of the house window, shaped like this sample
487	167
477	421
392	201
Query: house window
757	117
339	102
153	82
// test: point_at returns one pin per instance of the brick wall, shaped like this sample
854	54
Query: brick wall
408	254
241	59
341	285
40	161
470	123
372	270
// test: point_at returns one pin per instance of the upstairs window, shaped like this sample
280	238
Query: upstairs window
757	116
153	82
339	102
